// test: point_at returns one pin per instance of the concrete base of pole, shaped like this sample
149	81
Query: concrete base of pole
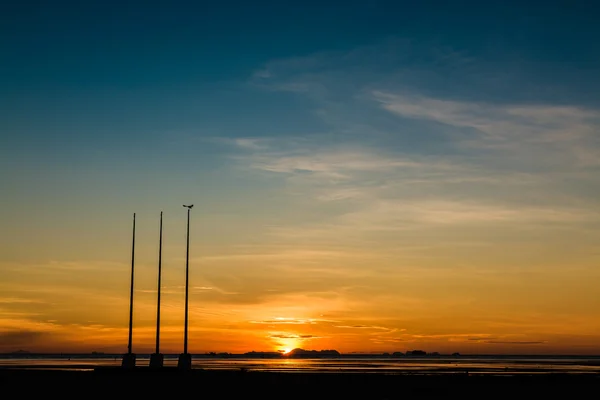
156	360
185	361
128	360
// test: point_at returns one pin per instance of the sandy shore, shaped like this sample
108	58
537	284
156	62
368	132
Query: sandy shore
115	382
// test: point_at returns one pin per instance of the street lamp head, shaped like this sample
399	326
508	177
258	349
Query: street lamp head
190	206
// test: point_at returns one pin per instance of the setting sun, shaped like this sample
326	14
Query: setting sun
286	350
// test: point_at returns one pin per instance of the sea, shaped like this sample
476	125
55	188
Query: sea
476	364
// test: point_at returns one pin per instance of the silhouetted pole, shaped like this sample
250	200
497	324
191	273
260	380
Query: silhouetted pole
185	360
187	283
129	358
156	359
131	288
159	278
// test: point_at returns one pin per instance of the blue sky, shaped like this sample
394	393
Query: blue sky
82	80
433	134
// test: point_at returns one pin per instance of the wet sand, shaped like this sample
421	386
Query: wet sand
142	381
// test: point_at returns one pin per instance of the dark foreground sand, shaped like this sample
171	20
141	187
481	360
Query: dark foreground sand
197	384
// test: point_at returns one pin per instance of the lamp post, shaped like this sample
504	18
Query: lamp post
156	359
185	359
129	358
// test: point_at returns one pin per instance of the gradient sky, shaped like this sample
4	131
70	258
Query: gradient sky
367	175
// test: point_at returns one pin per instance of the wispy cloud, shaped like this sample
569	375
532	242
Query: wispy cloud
315	155
17	300
293	336
400	154
383	340
374	327
289	321
455	338
457	212
205	289
251	143
338	164
505	126
515	342
278	254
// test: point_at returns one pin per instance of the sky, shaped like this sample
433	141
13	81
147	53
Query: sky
367	176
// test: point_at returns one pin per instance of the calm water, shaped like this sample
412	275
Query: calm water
480	364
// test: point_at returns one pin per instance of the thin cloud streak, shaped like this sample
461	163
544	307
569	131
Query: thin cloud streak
505	126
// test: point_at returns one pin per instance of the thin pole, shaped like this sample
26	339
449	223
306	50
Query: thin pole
159	285
187	256
131	290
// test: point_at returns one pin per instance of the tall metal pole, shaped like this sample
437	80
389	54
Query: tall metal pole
159	285
156	359
185	359
131	289
187	273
